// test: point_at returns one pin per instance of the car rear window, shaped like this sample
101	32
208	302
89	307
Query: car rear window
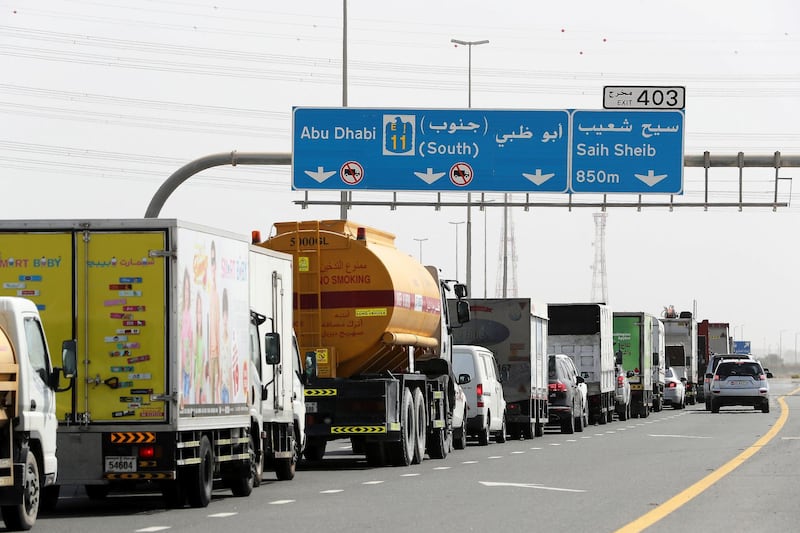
739	369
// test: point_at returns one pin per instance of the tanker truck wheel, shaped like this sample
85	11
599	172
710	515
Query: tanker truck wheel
22	516
315	449
421	426
402	452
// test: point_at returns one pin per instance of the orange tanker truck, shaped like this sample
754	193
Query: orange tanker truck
375	332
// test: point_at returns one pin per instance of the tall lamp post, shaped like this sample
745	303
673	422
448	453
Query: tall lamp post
780	344
420	241
469	45
456	224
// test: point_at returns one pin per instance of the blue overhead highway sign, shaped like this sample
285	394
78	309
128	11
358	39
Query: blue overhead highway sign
430	149
628	151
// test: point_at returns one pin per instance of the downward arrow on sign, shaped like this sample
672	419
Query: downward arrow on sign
538	178
320	174
429	176
651	178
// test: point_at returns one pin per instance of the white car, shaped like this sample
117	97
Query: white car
622	393
674	389
486	405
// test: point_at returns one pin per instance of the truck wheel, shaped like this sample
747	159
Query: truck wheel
49	499
22	516
528	430
258	465
601	418
708	405
421	426
285	468
201	476
403	452
538	430
375	453
242	484
438	444
625	412
315	449
610	413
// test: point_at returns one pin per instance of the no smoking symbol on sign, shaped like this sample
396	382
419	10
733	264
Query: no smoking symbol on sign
351	173
461	174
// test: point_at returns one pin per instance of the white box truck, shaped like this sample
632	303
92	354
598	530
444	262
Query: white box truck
515	330
160	311
584	331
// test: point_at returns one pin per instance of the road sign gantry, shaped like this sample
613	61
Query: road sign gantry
473	150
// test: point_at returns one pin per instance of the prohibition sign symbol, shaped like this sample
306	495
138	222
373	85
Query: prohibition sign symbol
461	174
351	172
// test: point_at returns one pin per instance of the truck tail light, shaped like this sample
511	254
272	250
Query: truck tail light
147	452
557	387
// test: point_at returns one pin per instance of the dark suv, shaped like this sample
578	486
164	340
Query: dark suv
566	404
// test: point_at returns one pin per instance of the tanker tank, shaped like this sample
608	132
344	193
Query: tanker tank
359	302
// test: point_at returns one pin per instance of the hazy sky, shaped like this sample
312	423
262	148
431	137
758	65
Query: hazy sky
101	100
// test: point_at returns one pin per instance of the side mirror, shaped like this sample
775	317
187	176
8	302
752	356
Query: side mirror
69	358
683	380
461	290
630	373
580	379
311	365
272	348
769	374
463	379
462	311
709	375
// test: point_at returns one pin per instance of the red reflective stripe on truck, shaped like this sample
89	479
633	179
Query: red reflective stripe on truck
384	298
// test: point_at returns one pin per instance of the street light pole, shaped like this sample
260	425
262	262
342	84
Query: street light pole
456	224
469	45
420	241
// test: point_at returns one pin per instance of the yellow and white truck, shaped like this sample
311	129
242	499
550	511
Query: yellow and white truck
28	381
160	312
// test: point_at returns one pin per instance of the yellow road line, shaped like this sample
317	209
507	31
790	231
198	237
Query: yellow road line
685	496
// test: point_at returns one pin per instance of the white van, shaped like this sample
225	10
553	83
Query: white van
477	373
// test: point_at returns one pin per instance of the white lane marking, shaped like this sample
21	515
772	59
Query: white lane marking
221	515
469	462
516	453
598	434
151	529
535	448
372	482
495	457
527	486
331	491
680	436
572	440
443	468
555	444
586	437
281	502
790	438
410	475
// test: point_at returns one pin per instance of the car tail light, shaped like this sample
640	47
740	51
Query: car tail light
762	377
716	377
557	387
620	381
479	393
671	385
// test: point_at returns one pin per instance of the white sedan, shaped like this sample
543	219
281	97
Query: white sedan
674	389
